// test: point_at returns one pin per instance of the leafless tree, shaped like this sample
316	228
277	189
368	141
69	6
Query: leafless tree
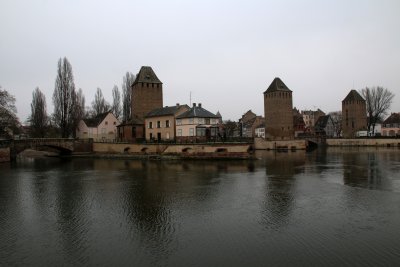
99	104
79	109
116	107
127	82
8	117
38	119
63	98
336	117
378	101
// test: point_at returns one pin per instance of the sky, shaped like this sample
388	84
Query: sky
224	54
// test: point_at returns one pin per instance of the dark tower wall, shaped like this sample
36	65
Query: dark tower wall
354	114
147	93
278	110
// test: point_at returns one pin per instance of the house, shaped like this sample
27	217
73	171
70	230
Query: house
325	126
310	117
260	131
197	125
131	131
354	112
391	126
160	122
298	123
100	127
249	122
278	110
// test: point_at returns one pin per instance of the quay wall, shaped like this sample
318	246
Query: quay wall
393	142
169	148
5	154
263	144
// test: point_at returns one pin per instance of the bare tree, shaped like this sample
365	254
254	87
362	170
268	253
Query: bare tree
99	104
336	117
8	118
378	101
116	107
38	118
63	98
79	109
127	82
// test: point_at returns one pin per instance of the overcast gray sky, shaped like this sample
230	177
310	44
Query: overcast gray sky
225	52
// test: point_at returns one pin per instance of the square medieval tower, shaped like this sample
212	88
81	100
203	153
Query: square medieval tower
147	93
354	114
278	110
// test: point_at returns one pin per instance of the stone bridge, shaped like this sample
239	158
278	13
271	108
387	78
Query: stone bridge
65	146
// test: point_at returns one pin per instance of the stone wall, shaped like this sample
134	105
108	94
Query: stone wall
5	154
263	144
364	142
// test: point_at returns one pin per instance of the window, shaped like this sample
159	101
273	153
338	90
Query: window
191	132
190	120
115	122
167	136
201	132
178	122
201	120
133	132
158	124
150	125
103	130
167	123
179	132
106	123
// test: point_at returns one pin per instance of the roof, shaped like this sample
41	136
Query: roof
197	112
146	75
133	121
95	121
165	111
277	85
393	118
353	96
322	122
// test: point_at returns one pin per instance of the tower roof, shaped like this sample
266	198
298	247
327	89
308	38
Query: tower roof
353	96
277	85
146	75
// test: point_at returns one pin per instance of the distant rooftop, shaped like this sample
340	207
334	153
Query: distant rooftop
146	75
165	111
197	112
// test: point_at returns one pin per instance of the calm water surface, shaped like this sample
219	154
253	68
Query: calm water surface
339	207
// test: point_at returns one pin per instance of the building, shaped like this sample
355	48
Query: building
260	131
354	112
160	123
325	126
391	126
131	131
299	127
278	109
249	122
147	93
310	117
197	125
100	127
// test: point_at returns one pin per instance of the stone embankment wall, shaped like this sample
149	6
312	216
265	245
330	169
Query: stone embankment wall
263	144
5	154
364	142
169	149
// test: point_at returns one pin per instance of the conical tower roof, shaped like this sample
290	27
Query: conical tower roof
353	96
146	75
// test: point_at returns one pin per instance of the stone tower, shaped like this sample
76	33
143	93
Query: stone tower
278	110
354	114
147	93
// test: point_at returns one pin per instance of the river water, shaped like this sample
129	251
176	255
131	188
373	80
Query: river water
338	207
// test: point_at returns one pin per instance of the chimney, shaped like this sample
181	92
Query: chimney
194	105
199	105
177	104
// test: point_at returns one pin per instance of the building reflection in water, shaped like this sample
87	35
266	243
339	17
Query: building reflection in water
281	169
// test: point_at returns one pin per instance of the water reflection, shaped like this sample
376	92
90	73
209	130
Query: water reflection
281	169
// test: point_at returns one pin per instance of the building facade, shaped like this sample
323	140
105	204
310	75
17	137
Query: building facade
147	93
160	123
354	112
278	109
391	126
197	125
100	127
